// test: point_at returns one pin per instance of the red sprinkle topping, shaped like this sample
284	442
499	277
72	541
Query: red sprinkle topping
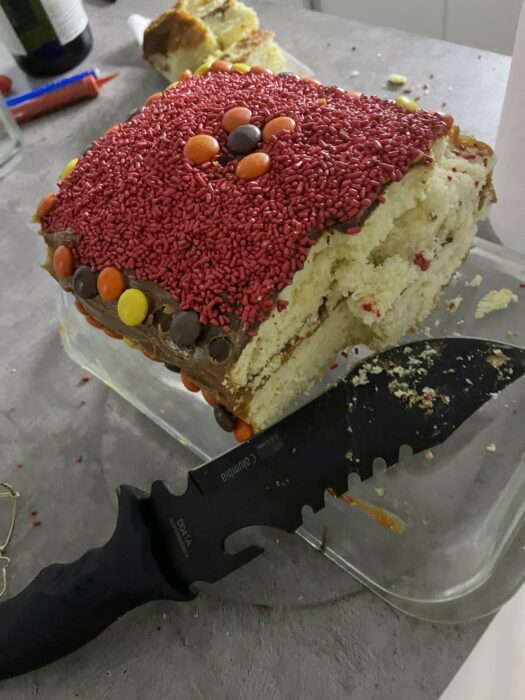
218	244
36	523
421	261
78	458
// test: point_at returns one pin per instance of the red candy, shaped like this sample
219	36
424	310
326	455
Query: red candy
219	244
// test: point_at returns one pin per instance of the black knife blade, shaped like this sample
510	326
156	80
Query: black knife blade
415	394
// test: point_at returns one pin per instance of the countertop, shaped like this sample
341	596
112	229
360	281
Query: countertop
291	625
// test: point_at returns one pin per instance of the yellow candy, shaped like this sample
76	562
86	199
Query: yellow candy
407	103
397	79
172	85
132	307
68	169
131	343
240	67
203	69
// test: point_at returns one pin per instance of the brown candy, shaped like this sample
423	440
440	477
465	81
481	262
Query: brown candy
219	349
224	418
172	368
185	328
85	282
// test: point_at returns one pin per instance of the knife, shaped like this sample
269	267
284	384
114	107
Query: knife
415	394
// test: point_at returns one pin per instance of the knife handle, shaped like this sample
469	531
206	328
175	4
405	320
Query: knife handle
67	605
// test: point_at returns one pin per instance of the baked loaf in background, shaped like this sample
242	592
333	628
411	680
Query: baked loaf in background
247	227
194	32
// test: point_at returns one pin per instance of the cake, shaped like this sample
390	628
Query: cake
196	32
243	228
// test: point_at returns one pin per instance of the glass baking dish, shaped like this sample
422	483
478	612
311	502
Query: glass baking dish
462	552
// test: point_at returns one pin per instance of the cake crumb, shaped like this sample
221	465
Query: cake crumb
453	304
429	454
491	447
512	334
497	358
380	491
475	281
495	300
397	79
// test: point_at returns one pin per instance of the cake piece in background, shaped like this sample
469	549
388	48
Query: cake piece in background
194	32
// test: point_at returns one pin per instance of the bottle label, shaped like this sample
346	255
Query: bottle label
9	37
68	18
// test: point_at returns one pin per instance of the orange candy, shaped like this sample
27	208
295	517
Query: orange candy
153	98
209	398
63	263
221	67
234	117
110	283
112	334
45	205
93	322
309	79
190	386
275	125
81	308
252	166
243	431
261	69
201	148
185	75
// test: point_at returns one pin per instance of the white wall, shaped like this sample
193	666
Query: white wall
487	24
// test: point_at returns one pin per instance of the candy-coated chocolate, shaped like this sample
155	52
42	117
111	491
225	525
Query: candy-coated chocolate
241	67
80	308
203	68
172	85
242	431
112	334
93	322
69	168
63	263
244	139
261	69
234	117
132	307
172	368
185	75
190	386
111	283
185	328
219	349
314	81
132	344
407	103
224	418
201	148
153	98
45	205
447	118
253	165
85	282
209	398
221	67
275	125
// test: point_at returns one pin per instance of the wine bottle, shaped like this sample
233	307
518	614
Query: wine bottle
46	37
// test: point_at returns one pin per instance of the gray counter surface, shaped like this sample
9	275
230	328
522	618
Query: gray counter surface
291	625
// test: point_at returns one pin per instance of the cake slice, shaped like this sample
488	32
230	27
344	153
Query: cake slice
245	228
194	32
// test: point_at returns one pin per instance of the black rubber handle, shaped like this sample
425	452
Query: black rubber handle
67	605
